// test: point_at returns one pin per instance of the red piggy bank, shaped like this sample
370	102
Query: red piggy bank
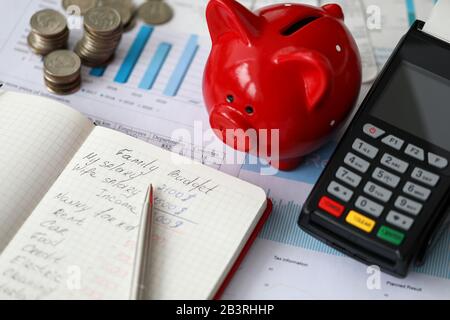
290	67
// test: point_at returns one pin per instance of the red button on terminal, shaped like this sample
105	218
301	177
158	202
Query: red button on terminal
332	207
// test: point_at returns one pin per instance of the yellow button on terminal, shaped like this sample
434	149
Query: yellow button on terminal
361	222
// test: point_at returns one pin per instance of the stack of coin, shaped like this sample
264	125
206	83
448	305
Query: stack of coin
62	72
82	6
155	12
49	32
124	7
102	34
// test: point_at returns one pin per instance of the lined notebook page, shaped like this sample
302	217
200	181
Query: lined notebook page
80	241
38	137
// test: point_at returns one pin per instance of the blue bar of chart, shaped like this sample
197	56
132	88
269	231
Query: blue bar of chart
155	66
133	55
98	71
411	7
182	67
412	10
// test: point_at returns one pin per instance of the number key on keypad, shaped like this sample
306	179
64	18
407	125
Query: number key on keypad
416	191
394	163
356	162
348	176
408	205
385	177
369	206
377	192
426	177
365	149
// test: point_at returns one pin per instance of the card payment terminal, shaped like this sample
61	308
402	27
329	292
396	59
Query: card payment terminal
384	195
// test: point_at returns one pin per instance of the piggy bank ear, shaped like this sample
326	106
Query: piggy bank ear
334	10
315	71
229	16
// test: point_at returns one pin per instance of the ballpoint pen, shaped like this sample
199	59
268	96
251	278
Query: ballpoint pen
141	262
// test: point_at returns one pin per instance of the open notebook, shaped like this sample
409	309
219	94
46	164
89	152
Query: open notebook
70	201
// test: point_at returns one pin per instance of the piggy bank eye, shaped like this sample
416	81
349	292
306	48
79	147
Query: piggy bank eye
249	110
230	98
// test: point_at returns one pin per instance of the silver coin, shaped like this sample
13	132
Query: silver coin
58	83
62	38
43	46
123	7
102	20
155	12
48	22
64	90
109	3
92	58
62	63
83	5
103	32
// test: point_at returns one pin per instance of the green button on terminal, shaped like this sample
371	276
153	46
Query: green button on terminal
390	235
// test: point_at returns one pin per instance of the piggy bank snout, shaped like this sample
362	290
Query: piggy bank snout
231	127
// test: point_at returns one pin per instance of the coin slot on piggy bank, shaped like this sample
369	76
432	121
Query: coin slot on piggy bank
288	67
297	26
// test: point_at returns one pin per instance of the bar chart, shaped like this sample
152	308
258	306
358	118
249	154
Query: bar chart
168	64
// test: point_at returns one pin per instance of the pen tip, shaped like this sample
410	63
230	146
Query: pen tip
150	190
